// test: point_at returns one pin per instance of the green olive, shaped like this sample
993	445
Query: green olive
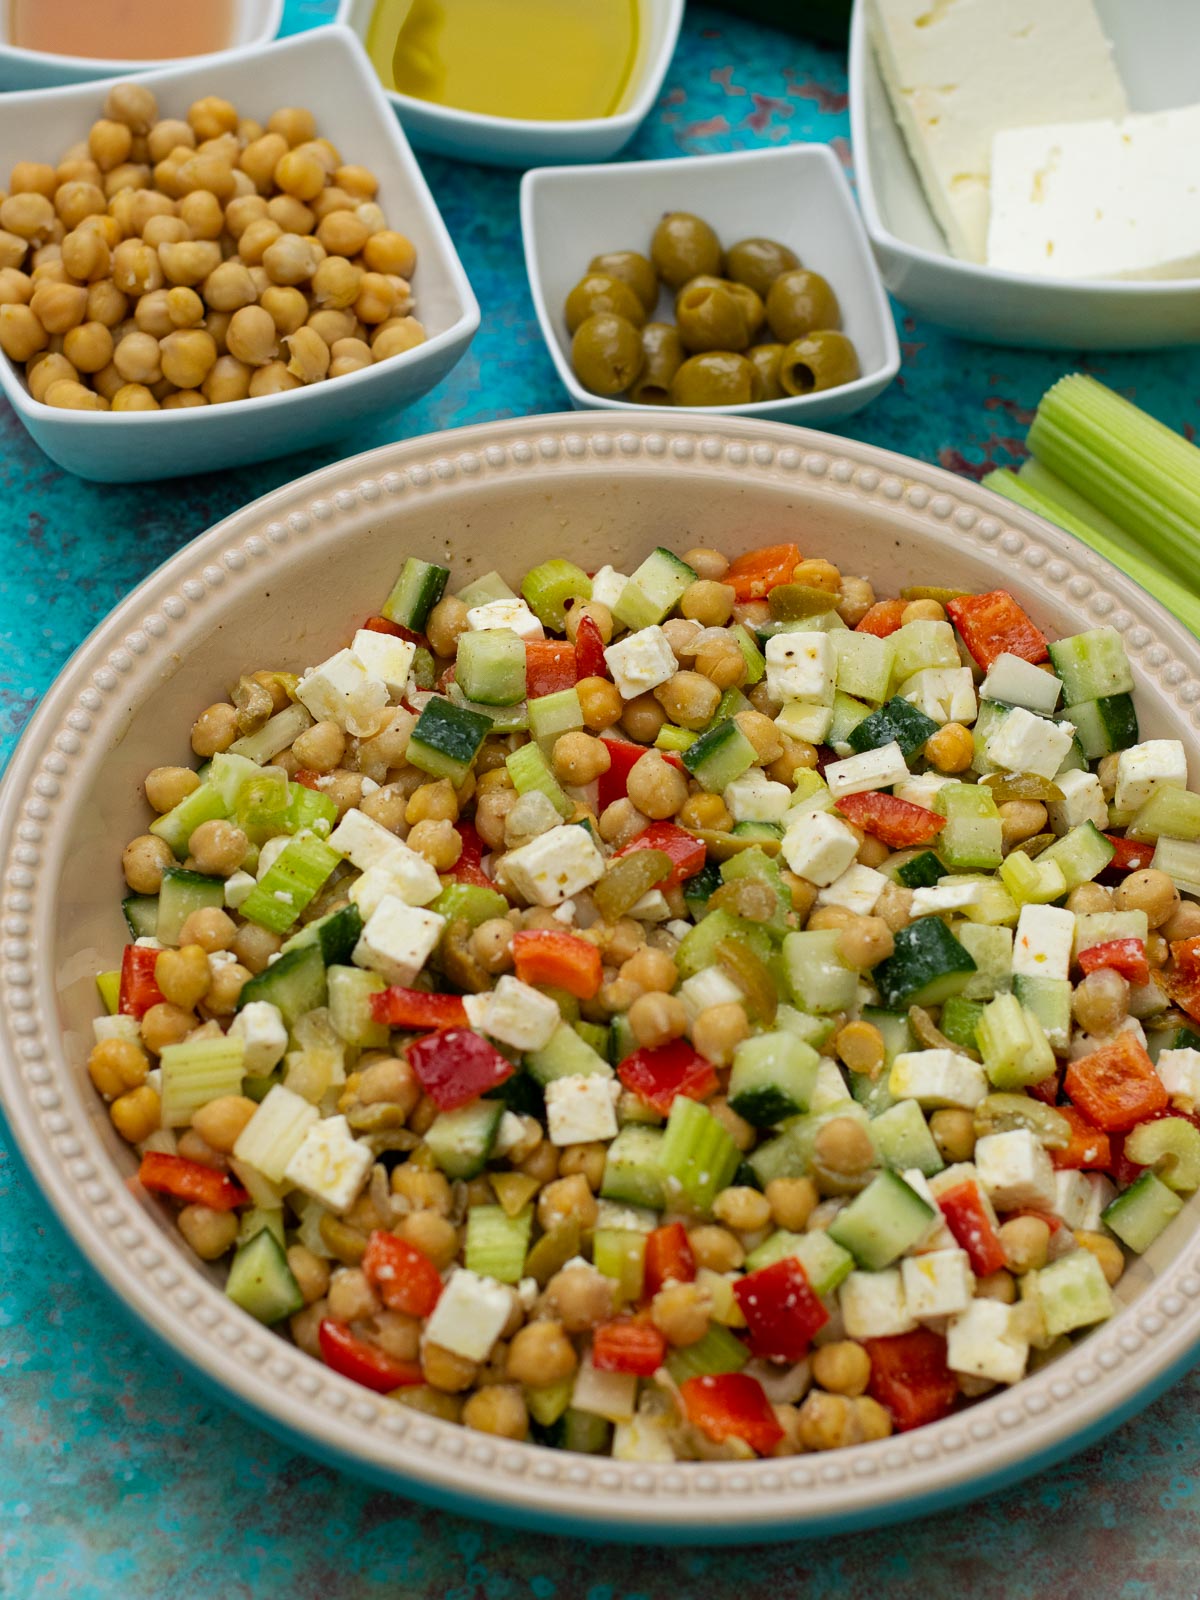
663	354
758	262
597	292
752	307
682	247
766	358
715	378
709	317
606	353
800	301
631	268
823	359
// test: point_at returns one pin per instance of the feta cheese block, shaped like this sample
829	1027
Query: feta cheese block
342	690
264	1037
582	1108
1026	743
554	866
983	1342
1042	947
873	1305
937	1079
958	72
331	1165
386	657
1015	1170
513	614
470	1314
941	897
1098	199
1082	800
1143	768
819	847
938	1283
362	840
514	1013
641	661
871	769
402	873
945	694
398	940
607	586
1180	1074
858	889
756	798
800	666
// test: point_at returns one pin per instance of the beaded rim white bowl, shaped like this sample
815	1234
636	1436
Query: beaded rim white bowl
509	490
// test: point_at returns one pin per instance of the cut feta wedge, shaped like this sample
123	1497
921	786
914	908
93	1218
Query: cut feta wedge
553	867
513	614
872	769
342	690
398	940
470	1315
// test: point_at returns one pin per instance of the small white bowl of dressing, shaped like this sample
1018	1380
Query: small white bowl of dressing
49	42
503	99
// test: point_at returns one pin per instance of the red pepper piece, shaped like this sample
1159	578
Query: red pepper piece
899	824
416	1008
1183	977
396	629
549	666
968	1220
668	1259
687	853
730	1405
560	960
658	1075
909	1376
467	868
1116	1085
1089	1147
628	1344
1126	956
403	1277
992	624
190	1181
781	1310
307	778
1121	1169
1047	1090
1130	855
364	1363
883	618
445	678
754	575
139	989
589	650
623	757
456	1066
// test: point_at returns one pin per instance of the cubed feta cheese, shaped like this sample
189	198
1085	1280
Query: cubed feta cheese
653	906
260	1027
1080	1197
937	1078
341	690
398	940
362	840
641	661
805	719
756	798
819	847
402	873
946	694
1082	800
554	866
514	1013
514	614
387	657
511	1131
873	769
873	1305
1042	947
331	1165
582	1108
938	1283
128	1028
984	1342
944	897
470	1315
919	790
1015	1170
1154	764
830	1090
709	987
238	886
607	587
1017	682
1026	743
858	889
1180	1074
800	666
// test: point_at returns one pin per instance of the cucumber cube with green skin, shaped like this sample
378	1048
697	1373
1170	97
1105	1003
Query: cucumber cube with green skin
461	1141
959	1019
1082	854
1105	725
1141	1212
416	591
881	1223
1013	1045
697	890
819	979
896	722
1174	813
446	739
773	1077
1047	999
902	1137
921	872
972	840
653	590
296	984
825	1263
1092	665
719	756
261	1282
183	892
481	591
141	915
698	948
490	666
632	1168
928	966
567	1055
335	935
1073	1293
848	714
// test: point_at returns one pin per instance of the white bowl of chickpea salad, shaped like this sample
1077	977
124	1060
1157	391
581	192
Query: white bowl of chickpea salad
636	1182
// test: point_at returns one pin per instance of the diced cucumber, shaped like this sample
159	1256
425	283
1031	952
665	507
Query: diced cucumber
1092	665
621	1042
177	826
1082	854
807	719
1049	1000
918	645
1140	1214
446	739
497	1243
756	664
920	871
490	666
848	713
697	1157
1032	882
551	715
1100	927
653	590
731	704
547	588
773	1077
719	756
566	1055
1180	860
902	1137
292	880
813	1030
825	1262
1173	812
959	1019
928	966
261	1282
461	1141
698	948
881	1223
1073	1293
992	904
350	991
755	830
595	1034
758	865
991	714
481	591
335	935
633	1172
529	770
698	889
503	719
416	591
864	665
296	984
895	1028
972	840
1102	726
258	1218
819	979
141	914
182	893
896	722
277	734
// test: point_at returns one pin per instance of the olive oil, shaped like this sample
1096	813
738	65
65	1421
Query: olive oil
546	60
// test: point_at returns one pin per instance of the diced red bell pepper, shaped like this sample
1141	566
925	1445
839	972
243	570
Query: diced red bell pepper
139	989
668	1259
1129	855
456	1066
1089	1147
589	650
730	1405
416	1008
1183	976
994	624
1047	1090
396	629
754	575
190	1181
781	1310
687	853
628	1344
1126	956
883	618
968	1220
559	960
445	678
467	868
403	1277
658	1075
900	824
307	778
909	1377
623	757
549	666
364	1363
1116	1085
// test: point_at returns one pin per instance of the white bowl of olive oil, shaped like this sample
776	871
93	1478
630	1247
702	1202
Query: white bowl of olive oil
520	83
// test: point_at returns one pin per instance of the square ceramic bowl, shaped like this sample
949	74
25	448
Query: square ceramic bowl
254	22
796	193
327	71
520	141
1156	45
280	583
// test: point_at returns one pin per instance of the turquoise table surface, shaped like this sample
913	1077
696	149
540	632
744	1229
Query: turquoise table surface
118	1477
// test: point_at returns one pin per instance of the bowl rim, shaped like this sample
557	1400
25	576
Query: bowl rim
113	66
975	273
867	384
324	39
1113	1372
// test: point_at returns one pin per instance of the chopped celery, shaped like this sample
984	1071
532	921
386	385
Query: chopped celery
698	1158
291	881
471	901
195	1073
178	825
275	735
529	770
620	1254
670	737
546	590
497	1243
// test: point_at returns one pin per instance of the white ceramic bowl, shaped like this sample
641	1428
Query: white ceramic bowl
279	584
522	141
327	71
254	23
795	193
1156	45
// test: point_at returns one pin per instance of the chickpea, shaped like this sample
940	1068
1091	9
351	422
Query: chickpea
71	396
109	143
188	356
842	1153
253	946
292	259
117	1065
220	1123
439	842
1100	1002
923	611
144	861
215	729
1025	1242
165	1024
743	1209
1106	1251
600	703
716	1248
299	174
432	1234
688	699
390	253
377	298
653	971
581	1297
433	802
256	240
134	397
951	748
491	944
865	942
30	216
817	573
310	1272
422	1188
579	759
45	369
541	1162
211	117
15	287
251	336
133	104
1184	922
1090	897
308	355
341	233
320	748
228	379
293	124
1150	891
351	1297
183	976
1020	820
229	287
894	906
349	355
85	255
997	1286
286	307
242	211
843	1367
656	1019
721	660
136	1114
59	307
705	811
13	250
708	603
210	928
396	338
228	981
152	314
541	1354
218	847
106	303
331	325
210	1233
138	359
718	1030
447	621
33	177
497	1408
656	788
21	334
706	563
566	1197
792	1202
828	1421
953	1131
292	215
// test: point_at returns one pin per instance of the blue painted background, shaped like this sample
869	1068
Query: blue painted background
117	1477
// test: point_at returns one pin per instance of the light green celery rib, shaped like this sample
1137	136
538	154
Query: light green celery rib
1132	467
1179	601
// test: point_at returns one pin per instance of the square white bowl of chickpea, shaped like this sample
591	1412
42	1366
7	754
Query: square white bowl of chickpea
180	246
